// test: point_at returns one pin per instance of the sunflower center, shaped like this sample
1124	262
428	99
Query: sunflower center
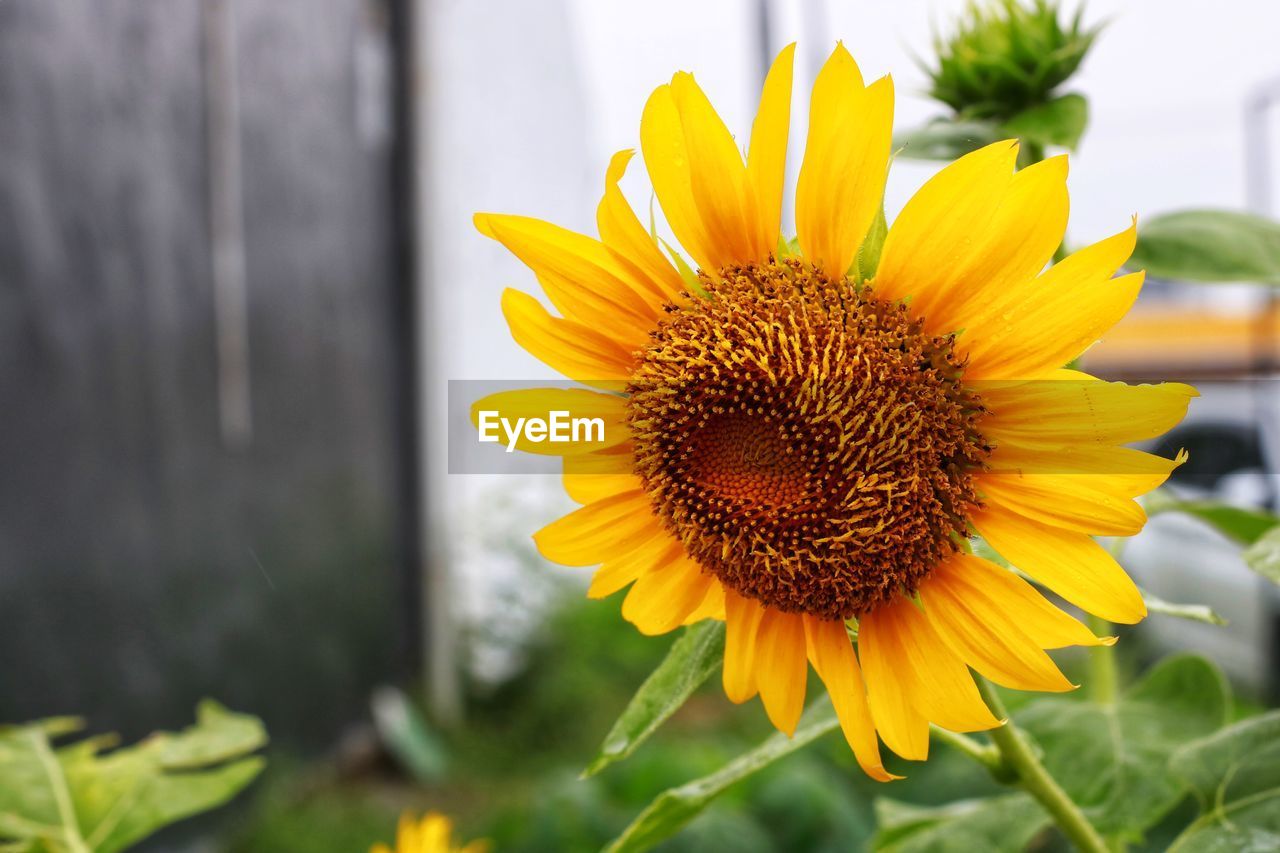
808	443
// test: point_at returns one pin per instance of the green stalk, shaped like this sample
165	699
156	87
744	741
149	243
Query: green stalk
1030	775
1104	683
987	756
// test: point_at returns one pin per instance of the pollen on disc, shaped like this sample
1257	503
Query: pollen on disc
808	443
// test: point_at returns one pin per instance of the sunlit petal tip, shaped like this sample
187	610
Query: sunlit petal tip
841	55
782	668
767	151
618	165
683	84
1057	164
483	224
846	158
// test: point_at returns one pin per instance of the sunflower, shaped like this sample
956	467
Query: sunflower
432	834
805	450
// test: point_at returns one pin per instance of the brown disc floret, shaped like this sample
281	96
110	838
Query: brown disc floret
808	443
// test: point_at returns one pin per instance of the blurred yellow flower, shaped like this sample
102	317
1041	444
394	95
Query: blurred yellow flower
431	834
801	442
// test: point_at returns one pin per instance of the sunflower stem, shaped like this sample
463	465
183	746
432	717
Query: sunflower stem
1104	682
987	756
1029	774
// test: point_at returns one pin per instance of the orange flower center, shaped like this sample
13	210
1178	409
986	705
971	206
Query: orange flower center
808	443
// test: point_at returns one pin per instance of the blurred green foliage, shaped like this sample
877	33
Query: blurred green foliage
94	796
515	766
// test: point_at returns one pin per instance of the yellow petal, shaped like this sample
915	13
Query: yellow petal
833	658
1007	255
1081	503
618	571
722	189
1069	563
1079	411
846	159
407	832
599	531
588	488
661	599
741	622
782	667
711	607
964	602
699	178
667	161
903	729
1054	318
581	276
589	477
435	832
562	411
1020	603
767	155
573	349
1121	470
937	681
622	231
935	237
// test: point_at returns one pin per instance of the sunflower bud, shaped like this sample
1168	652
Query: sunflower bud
1007	56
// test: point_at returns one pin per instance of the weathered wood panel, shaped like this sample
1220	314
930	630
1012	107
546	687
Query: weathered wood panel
143	561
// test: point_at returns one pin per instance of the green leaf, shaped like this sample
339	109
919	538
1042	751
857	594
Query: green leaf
78	798
945	139
1003	824
1235	774
1209	245
1060	122
1112	759
692	659
868	259
1263	556
1194	612
675	807
1245	526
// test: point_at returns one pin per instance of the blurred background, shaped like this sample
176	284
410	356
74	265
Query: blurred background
237	270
